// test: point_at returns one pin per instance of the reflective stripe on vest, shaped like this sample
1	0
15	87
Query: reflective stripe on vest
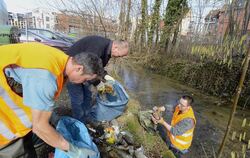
18	111
180	141
187	134
6	132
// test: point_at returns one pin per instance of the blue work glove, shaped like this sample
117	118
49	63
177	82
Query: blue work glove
78	152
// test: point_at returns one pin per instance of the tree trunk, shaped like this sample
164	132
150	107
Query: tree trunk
177	27
174	13
154	22
246	18
122	20
235	102
166	44
175	36
144	8
245	25
136	32
231	19
127	20
157	35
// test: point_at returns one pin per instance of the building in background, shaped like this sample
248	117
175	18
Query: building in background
16	19
75	25
239	16
186	24
68	23
211	22
217	21
3	13
85	24
38	18
42	18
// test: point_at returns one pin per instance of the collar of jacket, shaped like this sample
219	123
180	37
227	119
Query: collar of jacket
109	49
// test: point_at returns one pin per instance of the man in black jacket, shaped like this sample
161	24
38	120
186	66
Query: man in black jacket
104	48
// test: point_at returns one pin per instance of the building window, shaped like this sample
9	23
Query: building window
47	18
47	26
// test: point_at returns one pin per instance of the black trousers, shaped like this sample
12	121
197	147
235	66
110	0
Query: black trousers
20	148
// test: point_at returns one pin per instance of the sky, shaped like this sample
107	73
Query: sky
22	6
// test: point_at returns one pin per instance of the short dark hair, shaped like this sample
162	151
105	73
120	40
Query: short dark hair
188	98
92	63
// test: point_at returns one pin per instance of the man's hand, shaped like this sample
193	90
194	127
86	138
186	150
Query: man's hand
162	122
156	121
159	108
109	78
162	108
42	128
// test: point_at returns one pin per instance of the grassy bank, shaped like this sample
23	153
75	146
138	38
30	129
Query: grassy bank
153	144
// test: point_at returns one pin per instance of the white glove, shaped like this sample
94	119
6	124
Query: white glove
109	78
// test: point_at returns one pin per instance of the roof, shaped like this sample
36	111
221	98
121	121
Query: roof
213	14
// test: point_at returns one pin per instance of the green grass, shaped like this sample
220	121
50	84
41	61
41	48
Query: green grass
154	146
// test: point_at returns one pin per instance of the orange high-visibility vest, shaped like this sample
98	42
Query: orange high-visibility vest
183	141
15	117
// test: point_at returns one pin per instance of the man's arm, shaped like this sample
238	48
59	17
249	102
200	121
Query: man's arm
39	88
166	125
182	127
42	128
179	129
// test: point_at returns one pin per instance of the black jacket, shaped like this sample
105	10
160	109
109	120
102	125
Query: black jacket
97	45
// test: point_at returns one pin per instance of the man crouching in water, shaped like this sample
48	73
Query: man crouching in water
180	131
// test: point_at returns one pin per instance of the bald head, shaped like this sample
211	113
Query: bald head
119	48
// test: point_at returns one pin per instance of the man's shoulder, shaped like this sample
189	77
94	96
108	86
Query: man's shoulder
93	38
97	37
94	44
39	74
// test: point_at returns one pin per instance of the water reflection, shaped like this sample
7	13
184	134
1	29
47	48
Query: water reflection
150	89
